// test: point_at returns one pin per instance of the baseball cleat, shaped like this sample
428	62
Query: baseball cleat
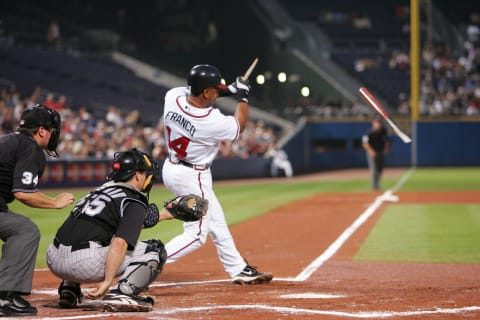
251	275
115	301
70	296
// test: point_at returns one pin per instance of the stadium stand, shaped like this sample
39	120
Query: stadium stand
90	80
372	44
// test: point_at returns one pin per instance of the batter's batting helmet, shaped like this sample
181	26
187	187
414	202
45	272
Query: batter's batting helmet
204	76
126	163
41	116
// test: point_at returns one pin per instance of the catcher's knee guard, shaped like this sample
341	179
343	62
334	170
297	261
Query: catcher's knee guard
144	273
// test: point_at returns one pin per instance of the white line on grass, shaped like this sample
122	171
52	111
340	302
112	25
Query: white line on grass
303	276
334	247
337	244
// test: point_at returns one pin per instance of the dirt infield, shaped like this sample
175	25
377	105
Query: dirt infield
286	242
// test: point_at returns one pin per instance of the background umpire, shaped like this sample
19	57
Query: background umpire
22	163
376	143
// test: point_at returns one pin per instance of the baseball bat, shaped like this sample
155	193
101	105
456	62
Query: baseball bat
380	110
249	70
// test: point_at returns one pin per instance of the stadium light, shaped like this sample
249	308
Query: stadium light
260	79
282	77
305	91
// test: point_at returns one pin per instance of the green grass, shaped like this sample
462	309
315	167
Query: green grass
425	233
242	202
438	179
429	232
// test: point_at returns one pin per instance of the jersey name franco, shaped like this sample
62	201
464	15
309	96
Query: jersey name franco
194	134
182	121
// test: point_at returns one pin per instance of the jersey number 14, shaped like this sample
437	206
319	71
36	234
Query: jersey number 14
179	145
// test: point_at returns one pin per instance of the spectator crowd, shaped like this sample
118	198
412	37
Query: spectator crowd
450	77
84	135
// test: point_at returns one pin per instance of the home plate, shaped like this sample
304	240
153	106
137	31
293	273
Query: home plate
311	295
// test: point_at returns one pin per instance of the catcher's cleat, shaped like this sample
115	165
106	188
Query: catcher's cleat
250	275
115	301
70	296
11	304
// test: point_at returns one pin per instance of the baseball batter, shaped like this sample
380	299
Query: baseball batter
194	129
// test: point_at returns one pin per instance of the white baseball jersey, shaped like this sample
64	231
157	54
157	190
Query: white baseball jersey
193	134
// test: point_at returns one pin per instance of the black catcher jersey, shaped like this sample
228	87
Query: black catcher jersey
115	208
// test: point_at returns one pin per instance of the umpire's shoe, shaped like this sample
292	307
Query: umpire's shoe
70	295
250	275
11	304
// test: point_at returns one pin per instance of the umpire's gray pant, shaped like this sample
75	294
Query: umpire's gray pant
376	164
19	252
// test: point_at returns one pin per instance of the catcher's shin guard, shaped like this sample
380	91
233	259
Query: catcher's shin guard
141	274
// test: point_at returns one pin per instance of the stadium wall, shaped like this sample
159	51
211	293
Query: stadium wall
88	173
336	145
318	146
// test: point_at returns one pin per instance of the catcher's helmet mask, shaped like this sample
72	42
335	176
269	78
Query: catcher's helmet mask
42	116
126	163
203	76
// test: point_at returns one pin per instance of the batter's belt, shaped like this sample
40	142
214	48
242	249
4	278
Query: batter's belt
200	167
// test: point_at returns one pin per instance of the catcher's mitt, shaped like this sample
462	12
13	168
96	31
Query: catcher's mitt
187	208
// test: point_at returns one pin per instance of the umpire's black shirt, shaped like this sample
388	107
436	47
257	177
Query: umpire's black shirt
376	139
22	163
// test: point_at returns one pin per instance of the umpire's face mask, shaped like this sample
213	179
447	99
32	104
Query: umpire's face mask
55	125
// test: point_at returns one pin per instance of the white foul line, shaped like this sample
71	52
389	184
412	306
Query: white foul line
334	247
347	233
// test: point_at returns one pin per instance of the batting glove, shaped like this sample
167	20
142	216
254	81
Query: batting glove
228	91
243	88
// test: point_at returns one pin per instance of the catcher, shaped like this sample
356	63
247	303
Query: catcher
99	239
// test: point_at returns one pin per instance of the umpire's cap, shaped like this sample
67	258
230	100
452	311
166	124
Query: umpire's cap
204	76
126	163
42	116
39	116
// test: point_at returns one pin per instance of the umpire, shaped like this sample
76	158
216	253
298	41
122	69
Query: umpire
22	163
376	143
